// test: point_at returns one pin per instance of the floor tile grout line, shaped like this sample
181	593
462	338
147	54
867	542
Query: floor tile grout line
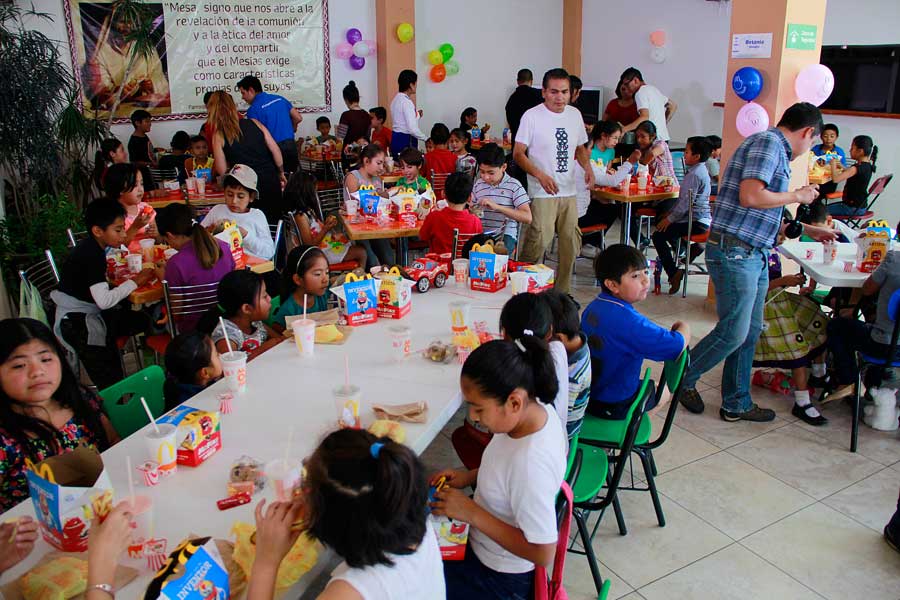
851	517
764	559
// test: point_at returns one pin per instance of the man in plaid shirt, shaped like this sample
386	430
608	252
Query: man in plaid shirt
746	222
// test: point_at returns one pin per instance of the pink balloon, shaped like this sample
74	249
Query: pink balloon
371	45
814	84
658	38
343	50
752	118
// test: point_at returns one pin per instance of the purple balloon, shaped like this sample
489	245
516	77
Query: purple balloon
357	62
353	35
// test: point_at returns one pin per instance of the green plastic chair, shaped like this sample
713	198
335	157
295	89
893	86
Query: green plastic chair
122	401
606	433
594	474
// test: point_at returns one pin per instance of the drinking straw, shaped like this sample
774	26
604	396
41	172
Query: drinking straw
304	307
150	415
225	333
130	481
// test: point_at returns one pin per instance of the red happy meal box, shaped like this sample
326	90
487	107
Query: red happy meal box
540	277
395	295
452	537
487	270
198	434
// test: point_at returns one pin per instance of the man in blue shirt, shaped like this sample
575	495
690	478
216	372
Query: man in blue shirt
276	114
746	222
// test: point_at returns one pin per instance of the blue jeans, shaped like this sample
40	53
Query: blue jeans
839	209
741	278
469	579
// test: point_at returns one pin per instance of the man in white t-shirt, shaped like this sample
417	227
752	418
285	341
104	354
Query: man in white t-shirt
652	105
551	138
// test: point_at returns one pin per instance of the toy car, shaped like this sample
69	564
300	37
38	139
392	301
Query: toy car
428	271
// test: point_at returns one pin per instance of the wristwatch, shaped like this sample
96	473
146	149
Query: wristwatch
104	587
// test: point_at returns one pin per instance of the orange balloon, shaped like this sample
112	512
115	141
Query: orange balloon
438	73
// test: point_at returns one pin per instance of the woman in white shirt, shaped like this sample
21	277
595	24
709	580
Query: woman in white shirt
404	116
512	517
364	497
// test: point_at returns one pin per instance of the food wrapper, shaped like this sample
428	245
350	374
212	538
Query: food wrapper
487	269
873	246
440	352
65	573
231	235
414	412
395	295
199	434
358	299
299	560
540	276
246	476
389	429
68	491
452	537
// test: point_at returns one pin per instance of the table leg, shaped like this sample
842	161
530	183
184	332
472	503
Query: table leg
403	251
626	225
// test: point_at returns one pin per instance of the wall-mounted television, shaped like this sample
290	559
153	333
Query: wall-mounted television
865	78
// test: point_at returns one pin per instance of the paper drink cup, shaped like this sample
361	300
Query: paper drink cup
147	249
191	183
347	401
519	281
461	270
201	186
134	262
141	509
285	477
305	336
234	366
352	207
829	252
459	315
162	448
401	341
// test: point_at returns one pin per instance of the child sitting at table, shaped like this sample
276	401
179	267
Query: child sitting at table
621	338
240	191
111	152
654	151
200	163
506	385
605	135
243	305
503	199
380	134
308	230
125	184
828	150
673	226
89	314
44	411
371	166
429	145
362	497
193	364
323	126
567	331
459	144
440	160
437	230
856	190
712	164
304	278
174	160
411	163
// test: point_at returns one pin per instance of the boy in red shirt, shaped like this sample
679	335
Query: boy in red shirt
437	230
439	160
380	135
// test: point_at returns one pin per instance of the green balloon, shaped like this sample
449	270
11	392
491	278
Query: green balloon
446	51
452	67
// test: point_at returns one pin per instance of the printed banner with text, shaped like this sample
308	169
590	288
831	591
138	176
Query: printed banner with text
197	47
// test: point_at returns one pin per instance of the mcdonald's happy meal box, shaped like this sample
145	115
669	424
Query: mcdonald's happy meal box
198	434
487	270
358	299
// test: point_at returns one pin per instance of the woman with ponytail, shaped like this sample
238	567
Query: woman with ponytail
365	498
506	385
201	258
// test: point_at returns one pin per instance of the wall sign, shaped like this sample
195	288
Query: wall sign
800	37
751	45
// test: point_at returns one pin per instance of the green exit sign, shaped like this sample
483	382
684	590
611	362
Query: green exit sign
800	37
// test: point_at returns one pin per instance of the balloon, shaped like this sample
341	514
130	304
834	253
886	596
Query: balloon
814	84
452	67
435	57
357	62
371	45
659	54
361	49
353	36
343	50
658	38
747	83
446	51
752	118
405	32
438	73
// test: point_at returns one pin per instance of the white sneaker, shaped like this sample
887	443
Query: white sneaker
589	251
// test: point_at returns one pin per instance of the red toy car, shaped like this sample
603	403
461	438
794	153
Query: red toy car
427	271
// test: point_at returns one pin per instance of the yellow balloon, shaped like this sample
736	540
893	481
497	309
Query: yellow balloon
435	57
404	32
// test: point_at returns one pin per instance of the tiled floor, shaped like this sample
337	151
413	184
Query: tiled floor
770	511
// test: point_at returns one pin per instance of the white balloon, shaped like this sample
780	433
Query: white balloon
361	49
658	54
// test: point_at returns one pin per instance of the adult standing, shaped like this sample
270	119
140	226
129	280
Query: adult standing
575	84
276	114
745	225
247	142
652	105
621	109
405	132
522	99
357	120
551	138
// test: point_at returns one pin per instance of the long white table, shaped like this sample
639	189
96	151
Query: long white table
285	390
832	274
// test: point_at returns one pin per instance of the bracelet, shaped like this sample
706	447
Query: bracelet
103	587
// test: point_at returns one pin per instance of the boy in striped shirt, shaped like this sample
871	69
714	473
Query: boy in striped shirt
500	200
567	330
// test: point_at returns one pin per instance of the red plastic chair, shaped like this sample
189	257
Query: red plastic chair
552	588
875	191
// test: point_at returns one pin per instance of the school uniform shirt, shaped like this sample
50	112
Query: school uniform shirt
258	240
856	189
238	339
620	338
508	193
440	160
437	230
416	575
274	112
649	97
561	366
290	307
382	137
579	386
518	482
829	155
83	276
551	139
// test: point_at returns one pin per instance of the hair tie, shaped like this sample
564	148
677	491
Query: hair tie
519	344
527	332
375	449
